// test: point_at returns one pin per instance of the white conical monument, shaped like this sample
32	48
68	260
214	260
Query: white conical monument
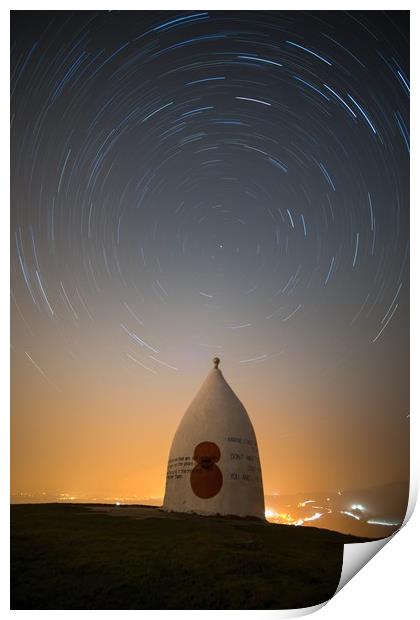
214	466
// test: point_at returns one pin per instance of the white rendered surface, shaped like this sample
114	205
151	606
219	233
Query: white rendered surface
216	415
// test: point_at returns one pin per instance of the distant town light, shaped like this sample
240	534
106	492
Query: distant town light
349	514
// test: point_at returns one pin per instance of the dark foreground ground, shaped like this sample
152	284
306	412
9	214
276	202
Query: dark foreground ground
76	556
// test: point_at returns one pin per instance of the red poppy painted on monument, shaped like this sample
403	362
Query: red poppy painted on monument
206	477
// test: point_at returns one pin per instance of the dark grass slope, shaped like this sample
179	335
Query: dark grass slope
71	557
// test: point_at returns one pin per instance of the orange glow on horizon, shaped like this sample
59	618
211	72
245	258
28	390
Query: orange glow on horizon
108	434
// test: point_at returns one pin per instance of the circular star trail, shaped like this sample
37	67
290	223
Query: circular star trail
186	184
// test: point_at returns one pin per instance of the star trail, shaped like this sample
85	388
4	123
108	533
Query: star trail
191	183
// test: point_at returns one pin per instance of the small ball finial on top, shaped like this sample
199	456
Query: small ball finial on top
216	362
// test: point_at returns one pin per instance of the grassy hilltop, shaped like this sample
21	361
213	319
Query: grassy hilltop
75	556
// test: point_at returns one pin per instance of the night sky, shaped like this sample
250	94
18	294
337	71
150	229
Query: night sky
189	184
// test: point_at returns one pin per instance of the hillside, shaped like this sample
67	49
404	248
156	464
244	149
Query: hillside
76	556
